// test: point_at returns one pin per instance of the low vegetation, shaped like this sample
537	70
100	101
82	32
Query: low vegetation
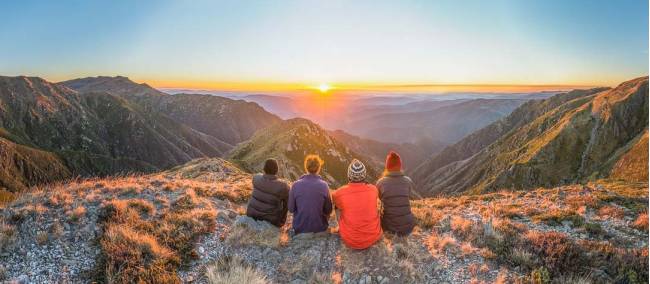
179	226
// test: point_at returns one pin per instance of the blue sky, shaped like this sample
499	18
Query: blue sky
194	43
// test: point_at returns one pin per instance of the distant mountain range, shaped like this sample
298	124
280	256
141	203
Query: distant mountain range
101	126
568	138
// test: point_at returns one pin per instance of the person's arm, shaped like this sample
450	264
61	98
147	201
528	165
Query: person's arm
285	200
327	207
292	201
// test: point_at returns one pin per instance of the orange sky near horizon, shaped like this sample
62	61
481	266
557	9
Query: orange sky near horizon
364	87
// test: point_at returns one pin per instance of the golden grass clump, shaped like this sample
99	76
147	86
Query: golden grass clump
8	236
76	214
134	257
230	270
427	218
641	222
139	245
611	211
241	235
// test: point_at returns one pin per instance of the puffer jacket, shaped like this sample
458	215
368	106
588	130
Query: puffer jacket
394	191
269	199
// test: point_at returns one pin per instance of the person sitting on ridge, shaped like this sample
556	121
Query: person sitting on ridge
394	191
357	205
270	196
309	199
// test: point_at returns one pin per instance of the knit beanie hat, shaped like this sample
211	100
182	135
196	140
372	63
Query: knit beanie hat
356	171
393	162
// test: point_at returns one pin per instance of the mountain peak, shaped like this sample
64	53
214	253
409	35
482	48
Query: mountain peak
290	141
117	85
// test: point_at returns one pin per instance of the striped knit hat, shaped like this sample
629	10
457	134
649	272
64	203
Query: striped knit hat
356	171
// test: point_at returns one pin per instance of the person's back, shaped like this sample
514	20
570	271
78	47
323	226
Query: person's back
394	191
356	202
270	196
309	200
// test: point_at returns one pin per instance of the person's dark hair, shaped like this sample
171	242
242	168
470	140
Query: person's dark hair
313	163
271	167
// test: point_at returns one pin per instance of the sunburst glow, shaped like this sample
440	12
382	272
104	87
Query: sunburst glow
323	88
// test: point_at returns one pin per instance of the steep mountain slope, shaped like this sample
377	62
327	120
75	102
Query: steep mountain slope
96	133
231	121
412	154
632	161
570	142
482	138
289	142
22	166
447	124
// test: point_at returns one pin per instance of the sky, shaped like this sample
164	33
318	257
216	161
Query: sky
346	44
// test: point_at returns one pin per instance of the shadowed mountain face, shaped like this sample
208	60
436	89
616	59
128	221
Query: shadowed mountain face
230	121
22	166
93	133
568	138
290	141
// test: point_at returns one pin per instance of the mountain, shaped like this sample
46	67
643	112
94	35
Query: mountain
290	141
482	138
22	166
570	137
228	120
446	124
95	133
412	154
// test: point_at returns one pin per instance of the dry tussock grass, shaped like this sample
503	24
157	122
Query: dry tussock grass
233	270
241	235
141	243
8	236
641	222
438	245
427	218
610	211
77	213
135	256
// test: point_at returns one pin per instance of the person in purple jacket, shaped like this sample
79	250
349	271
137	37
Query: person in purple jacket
309	199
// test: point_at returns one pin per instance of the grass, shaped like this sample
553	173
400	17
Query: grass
232	270
141	243
8	236
241	235
641	222
557	217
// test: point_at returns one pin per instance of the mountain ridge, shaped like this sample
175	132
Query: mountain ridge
544	151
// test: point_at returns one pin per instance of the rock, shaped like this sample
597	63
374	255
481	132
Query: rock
365	279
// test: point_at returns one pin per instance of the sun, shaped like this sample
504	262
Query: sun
323	88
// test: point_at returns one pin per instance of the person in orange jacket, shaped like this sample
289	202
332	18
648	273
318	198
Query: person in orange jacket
359	224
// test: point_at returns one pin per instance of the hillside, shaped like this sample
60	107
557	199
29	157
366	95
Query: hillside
289	142
95	133
22	166
184	225
570	140
231	121
412	154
